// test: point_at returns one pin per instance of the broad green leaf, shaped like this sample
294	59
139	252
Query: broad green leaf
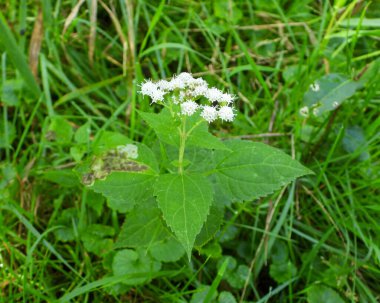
164	125
82	135
238	277
327	93
254	170
166	128
95	201
200	136
355	141
68	222
123	189
77	152
60	130
97	238
143	227
63	177
211	227
169	250
321	293
201	293
185	201
108	140
282	272
129	261
226	297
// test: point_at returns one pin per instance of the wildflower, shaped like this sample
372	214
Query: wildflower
209	113
226	113
199	90
213	94
177	83
335	104
186	78
304	111
157	95
165	85
147	88
189	108
184	91
226	98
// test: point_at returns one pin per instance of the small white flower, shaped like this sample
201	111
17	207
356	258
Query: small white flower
177	83
200	90
214	94
316	111
335	104
147	88
165	85
304	111
226	113
186	78
200	82
209	113
315	87
227	98
189	108
157	95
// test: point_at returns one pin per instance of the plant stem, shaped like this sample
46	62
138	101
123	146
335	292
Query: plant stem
182	143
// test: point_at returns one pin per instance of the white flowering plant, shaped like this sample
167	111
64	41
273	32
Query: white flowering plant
174	192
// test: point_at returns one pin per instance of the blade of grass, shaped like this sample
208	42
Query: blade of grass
9	43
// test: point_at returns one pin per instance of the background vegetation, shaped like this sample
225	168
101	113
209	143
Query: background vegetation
65	64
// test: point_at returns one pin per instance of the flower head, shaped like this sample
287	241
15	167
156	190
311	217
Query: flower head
189	108
186	95
225	113
209	113
214	94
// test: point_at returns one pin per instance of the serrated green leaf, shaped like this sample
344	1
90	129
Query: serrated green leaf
321	293
107	140
143	227
133	262
201	137
169	250
329	92
253	170
166	128
211	227
164	125
123	189
185	201
96	238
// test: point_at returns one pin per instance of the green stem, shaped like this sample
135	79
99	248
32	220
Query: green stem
182	143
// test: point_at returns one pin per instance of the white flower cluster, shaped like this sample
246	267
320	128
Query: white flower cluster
186	90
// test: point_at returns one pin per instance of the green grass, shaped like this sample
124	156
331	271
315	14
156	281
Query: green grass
326	226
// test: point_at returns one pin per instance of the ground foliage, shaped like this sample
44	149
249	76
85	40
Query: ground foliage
306	77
